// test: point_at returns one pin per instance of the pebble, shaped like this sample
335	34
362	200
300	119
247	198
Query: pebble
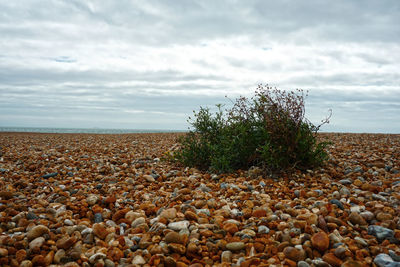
394	256
337	203
177	226
114	205
172	237
226	256
346	181
235	246
37	231
36	243
320	241
303	264
98	217
168	214
294	254
384	260
379	197
367	215
356	218
49	175
97	256
138	222
92	199
99	230
381	233
149	178
262	229
3	252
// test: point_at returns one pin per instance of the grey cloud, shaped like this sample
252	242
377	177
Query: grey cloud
80	62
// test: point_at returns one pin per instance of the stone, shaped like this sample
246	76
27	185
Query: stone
109	263
332	259
367	215
340	252
65	242
381	233
192	248
132	215
49	175
168	214
352	263
170	262
344	191
99	230
36	243
172	237
59	254
191	216
149	178
36	231
303	264
230	228
379	197
294	254
137	222
31	216
38	260
384	260
383	216
259	213
262	229
3	252
235	246
394	256
26	263
345	181
320	241
177	226
177	248
97	256
92	199
98	218
356	218
337	203
226	256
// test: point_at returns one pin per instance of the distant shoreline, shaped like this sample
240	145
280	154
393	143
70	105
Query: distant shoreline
83	130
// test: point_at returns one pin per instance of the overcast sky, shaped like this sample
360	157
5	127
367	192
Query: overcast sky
148	64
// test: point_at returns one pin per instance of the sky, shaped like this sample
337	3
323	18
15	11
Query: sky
148	64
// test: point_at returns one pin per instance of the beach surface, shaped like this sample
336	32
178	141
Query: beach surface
111	200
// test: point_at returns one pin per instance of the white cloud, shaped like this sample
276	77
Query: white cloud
132	63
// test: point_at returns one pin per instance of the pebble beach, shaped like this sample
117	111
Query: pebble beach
113	200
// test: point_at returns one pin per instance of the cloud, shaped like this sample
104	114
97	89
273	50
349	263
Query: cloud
130	64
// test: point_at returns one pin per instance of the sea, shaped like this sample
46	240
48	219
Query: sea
83	130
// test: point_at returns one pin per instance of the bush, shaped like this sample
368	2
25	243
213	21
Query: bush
268	131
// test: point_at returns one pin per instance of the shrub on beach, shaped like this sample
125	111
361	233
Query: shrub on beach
269	131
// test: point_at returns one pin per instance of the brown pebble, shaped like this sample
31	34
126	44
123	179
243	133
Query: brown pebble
230	228
332	259
191	216
99	230
38	260
168	214
294	254
259	213
26	263
177	248
37	231
320	241
65	242
6	195
172	237
356	218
